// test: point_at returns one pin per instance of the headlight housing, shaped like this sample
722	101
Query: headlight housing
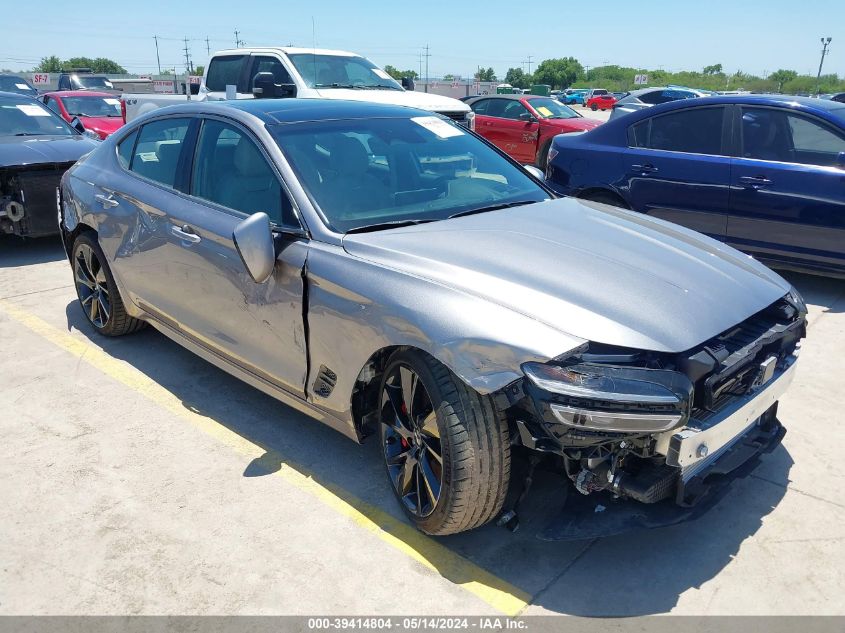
796	300
610	398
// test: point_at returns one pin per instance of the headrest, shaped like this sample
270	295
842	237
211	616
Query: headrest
349	157
248	160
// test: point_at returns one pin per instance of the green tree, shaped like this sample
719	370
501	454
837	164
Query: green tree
398	74
199	70
517	78
449	77
559	73
715	69
50	64
782	76
486	74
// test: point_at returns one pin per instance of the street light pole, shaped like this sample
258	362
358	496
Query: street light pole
825	44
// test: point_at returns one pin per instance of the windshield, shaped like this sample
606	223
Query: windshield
552	109
94	82
15	84
92	106
30	119
366	172
341	71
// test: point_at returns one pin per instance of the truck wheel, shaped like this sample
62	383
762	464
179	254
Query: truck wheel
96	290
446	447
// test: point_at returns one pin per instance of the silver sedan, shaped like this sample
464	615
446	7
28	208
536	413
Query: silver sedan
388	272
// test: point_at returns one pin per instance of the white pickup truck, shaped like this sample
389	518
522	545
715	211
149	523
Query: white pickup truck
304	73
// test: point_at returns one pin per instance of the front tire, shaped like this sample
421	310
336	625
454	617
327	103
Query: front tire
594	107
96	290
445	446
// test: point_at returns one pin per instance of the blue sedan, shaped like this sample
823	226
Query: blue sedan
765	174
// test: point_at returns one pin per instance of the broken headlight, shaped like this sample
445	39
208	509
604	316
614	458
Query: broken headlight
613	398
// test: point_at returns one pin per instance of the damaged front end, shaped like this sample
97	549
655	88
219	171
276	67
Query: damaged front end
649	435
28	199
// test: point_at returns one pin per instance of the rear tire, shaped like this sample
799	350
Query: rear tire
427	411
96	290
594	107
543	155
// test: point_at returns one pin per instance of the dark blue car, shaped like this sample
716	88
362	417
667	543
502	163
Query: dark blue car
765	174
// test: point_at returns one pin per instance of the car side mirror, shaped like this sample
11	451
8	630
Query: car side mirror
264	86
535	171
77	125
527	117
254	243
408	83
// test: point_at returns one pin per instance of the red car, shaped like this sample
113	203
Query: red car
98	111
599	99
523	126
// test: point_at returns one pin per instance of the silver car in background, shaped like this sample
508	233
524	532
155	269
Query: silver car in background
388	272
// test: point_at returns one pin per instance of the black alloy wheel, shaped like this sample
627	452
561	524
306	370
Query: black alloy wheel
92	286
411	441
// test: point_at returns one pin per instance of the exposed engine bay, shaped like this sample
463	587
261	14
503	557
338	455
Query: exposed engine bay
28	199
654	427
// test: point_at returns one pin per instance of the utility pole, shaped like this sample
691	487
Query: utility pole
238	41
529	64
420	75
188	68
158	59
207	47
825	44
427	55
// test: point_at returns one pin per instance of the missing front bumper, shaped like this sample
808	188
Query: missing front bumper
601	514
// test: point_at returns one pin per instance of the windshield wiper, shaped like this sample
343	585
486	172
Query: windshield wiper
492	207
382	226
29	134
350	86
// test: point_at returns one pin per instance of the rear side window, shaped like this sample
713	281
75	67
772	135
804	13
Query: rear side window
156	154
124	150
224	71
692	131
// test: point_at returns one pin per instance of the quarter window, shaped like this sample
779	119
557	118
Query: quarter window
156	154
230	170
692	131
775	135
124	150
224	71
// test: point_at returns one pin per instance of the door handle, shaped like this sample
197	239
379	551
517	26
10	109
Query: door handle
185	234
755	182
107	201
648	168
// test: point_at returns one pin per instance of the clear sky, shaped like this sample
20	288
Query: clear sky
754	36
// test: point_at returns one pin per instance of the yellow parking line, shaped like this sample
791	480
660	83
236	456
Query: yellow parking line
491	589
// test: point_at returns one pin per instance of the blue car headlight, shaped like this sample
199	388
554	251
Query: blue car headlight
611	398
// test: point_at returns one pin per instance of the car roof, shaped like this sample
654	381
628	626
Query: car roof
273	111
287	50
77	93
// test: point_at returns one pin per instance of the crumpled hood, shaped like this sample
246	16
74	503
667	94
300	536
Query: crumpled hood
595	272
409	98
32	150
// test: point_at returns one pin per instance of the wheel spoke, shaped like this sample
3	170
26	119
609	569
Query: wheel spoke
418	476
87	300
406	476
434	451
100	278
93	310
103	308
430	479
83	278
398	459
409	382
398	420
428	425
88	257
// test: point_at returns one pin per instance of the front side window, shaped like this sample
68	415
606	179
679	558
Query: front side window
88	82
230	170
265	64
52	104
777	135
224	71
363	173
15	84
30	118
341	71
692	131
513	110
157	150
